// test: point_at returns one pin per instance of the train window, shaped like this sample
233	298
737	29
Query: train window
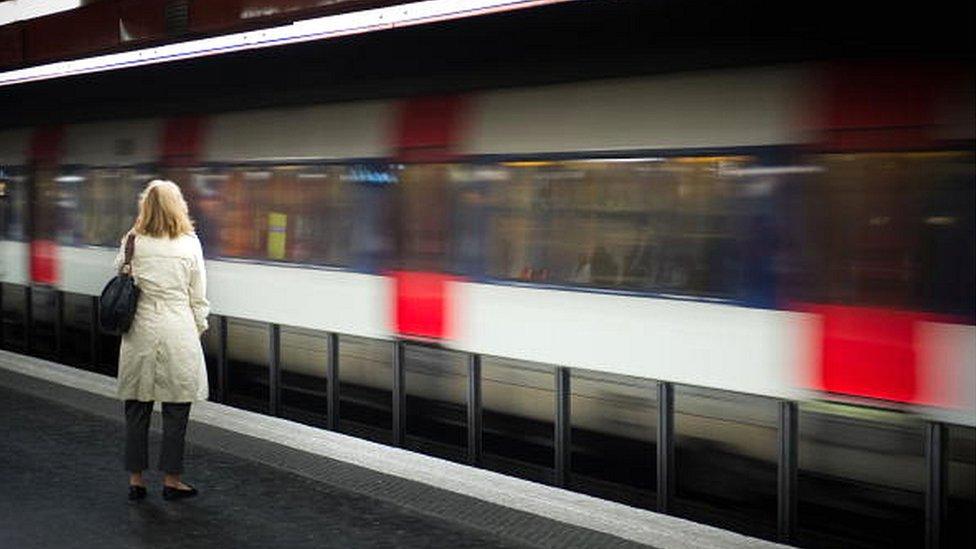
370	216
518	400
366	388
861	477
614	425
890	230
97	206
436	390
14	309
243	229
423	229
43	322
208	208
472	190
279	213
71	190
304	362
44	211
725	459
13	207
960	528
76	330
248	379
656	225
308	216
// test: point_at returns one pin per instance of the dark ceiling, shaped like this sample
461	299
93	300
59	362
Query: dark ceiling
581	40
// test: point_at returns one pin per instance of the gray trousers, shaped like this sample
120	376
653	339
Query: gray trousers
175	416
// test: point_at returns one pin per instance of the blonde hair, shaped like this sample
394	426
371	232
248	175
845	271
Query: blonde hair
162	211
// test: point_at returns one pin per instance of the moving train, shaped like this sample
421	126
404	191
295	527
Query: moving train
801	232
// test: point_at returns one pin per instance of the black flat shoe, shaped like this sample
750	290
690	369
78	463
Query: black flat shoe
137	492
170	493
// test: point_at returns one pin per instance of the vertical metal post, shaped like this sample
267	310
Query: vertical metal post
474	409
222	359
93	333
3	321
936	460
563	433
332	378
399	393
274	369
665	446
786	491
28	317
58	325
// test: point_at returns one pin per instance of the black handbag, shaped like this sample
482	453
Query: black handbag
117	306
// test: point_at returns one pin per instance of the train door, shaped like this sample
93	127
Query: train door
770	206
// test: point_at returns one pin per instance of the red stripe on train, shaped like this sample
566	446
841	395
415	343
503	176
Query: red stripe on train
428	129
870	352
422	306
881	105
183	141
45	152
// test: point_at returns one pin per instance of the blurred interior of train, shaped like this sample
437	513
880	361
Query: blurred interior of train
873	229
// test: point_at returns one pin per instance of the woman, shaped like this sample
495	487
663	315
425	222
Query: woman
161	358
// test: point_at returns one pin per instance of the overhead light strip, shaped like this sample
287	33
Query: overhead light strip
320	28
12	11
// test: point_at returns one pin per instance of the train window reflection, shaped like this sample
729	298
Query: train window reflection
45	212
888	229
279	213
725	458
423	226
861	477
207	207
242	227
436	387
96	206
366	388
663	225
108	219
71	191
614	424
315	219
13	206
519	400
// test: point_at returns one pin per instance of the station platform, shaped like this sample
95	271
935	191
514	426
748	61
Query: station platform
268	482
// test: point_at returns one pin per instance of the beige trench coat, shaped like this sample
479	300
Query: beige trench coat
161	357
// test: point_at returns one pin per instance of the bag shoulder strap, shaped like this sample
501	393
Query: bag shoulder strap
130	248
